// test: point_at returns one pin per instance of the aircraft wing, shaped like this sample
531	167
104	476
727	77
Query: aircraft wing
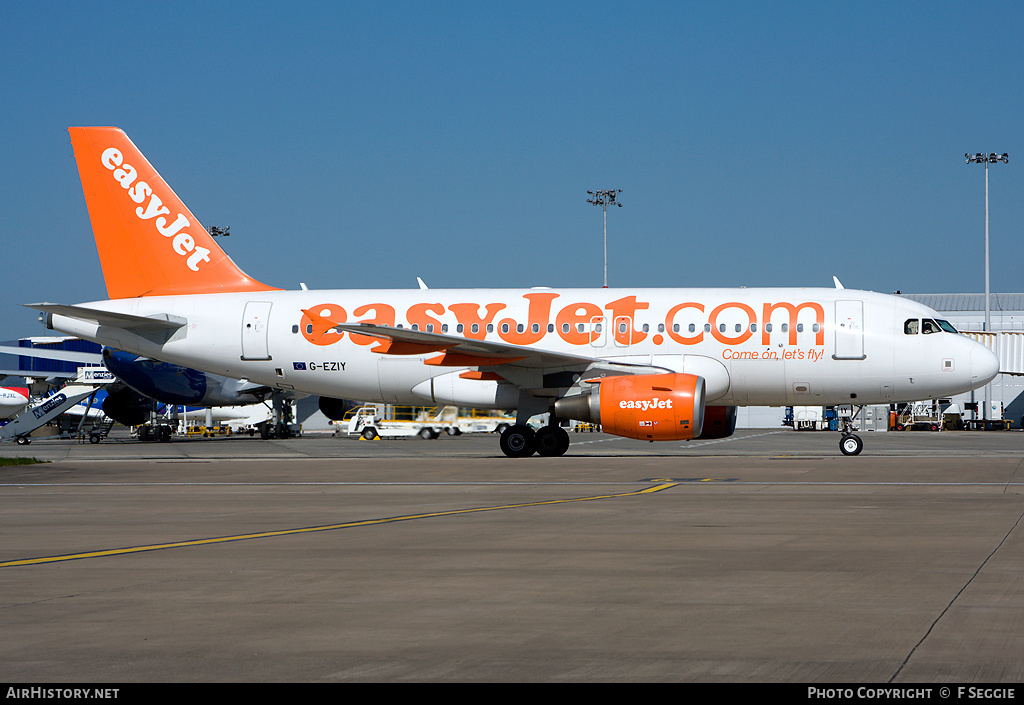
163	322
541	373
48	354
457	351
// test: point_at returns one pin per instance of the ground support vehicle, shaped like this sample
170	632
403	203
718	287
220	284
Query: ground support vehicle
374	421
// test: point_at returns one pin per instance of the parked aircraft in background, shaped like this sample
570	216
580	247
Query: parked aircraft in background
143	385
652	364
12	401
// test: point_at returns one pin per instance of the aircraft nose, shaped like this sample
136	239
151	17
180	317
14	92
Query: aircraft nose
984	365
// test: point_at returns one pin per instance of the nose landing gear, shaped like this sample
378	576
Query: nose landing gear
850	443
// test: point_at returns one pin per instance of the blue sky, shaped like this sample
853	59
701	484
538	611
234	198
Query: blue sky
363	144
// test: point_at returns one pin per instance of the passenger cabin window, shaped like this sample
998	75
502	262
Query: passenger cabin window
911	326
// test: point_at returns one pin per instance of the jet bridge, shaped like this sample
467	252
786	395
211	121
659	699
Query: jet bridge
85	385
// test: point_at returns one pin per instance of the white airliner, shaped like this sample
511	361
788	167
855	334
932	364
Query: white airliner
12	401
651	364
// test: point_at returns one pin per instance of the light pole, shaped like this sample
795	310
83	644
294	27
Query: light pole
987	159
605	198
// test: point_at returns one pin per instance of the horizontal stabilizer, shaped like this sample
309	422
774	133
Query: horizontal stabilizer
162	322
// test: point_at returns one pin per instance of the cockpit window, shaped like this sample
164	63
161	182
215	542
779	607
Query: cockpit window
912	326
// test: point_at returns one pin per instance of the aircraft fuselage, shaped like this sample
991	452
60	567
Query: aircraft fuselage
770	347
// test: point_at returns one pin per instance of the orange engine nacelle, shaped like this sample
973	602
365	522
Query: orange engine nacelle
664	407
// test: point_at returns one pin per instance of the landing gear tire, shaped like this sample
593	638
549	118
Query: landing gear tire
551	441
517	441
851	444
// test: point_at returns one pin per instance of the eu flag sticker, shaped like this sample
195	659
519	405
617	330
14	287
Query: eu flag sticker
299	365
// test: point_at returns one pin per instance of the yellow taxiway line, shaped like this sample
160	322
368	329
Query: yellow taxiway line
312	529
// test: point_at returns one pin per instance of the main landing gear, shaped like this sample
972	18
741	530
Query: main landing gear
520	441
850	443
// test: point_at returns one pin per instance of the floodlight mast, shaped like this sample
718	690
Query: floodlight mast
605	198
986	159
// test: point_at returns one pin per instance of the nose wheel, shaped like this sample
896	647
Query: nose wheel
851	444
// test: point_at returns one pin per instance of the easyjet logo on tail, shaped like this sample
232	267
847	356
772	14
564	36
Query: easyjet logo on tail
139	191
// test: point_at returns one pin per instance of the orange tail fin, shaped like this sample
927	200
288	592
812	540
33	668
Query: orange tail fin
149	243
